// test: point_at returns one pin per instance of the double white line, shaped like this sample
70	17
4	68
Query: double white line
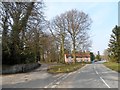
52	83
58	80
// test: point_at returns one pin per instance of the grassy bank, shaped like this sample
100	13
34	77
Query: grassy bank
65	68
112	65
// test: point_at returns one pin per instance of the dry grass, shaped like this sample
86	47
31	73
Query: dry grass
113	66
65	68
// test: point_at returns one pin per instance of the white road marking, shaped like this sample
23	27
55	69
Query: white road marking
54	81
62	78
84	66
58	83
104	82
96	72
70	73
57	75
73	72
81	69
45	87
53	86
102	78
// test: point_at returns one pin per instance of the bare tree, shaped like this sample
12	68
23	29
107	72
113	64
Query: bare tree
77	24
72	25
58	31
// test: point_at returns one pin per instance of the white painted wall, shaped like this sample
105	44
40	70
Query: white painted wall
78	59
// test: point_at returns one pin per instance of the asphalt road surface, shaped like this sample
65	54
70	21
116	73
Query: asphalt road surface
91	76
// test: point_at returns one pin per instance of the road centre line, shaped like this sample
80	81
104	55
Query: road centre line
104	82
96	72
101	78
94	67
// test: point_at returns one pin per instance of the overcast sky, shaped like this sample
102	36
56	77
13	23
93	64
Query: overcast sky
104	15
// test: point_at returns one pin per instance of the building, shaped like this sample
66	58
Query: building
80	57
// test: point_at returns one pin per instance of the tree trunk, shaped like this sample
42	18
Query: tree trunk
74	56
62	49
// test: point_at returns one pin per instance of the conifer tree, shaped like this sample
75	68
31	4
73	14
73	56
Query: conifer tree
114	45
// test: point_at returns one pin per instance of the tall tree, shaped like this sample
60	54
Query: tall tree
59	32
22	17
73	24
105	54
4	24
77	24
114	44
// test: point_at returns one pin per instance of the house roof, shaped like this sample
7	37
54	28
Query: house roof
82	54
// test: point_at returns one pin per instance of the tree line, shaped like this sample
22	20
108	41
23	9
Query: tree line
112	53
28	37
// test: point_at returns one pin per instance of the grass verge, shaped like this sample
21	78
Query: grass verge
112	65
65	68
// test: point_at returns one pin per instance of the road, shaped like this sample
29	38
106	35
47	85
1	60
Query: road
90	76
